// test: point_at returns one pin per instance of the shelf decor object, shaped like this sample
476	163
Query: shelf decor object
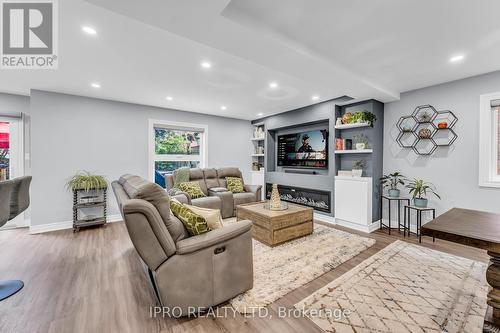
426	129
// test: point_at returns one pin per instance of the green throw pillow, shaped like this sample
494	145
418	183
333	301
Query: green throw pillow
192	188
234	184
194	223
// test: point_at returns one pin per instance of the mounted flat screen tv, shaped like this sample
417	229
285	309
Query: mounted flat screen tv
304	149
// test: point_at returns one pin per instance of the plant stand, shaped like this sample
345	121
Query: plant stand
419	211
81	202
390	199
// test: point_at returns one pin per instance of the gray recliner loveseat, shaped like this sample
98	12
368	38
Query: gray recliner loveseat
213	184
186	272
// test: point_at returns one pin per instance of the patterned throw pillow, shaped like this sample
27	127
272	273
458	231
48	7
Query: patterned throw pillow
194	223
193	189
234	184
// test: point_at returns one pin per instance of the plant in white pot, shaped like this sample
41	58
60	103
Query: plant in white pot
361	141
392	181
419	189
357	168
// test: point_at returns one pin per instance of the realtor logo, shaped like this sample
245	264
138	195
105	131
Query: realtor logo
29	34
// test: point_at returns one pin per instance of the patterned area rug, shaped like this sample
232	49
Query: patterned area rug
404	288
281	269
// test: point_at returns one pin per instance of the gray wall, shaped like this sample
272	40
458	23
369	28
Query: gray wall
453	170
13	105
71	133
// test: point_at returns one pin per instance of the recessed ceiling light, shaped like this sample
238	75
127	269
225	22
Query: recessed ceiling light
89	30
95	85
273	85
206	64
169	98
457	58
260	114
315	97
223	107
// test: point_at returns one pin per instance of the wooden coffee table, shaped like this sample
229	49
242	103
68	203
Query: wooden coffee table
477	229
275	227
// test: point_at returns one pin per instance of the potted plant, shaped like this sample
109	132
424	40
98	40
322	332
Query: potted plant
357	168
84	180
392	181
361	141
418	190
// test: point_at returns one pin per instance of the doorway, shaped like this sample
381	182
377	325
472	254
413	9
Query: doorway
12	156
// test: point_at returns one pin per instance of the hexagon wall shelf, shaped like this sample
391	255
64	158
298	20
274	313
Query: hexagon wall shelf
440	124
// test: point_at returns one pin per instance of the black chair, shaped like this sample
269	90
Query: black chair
14	199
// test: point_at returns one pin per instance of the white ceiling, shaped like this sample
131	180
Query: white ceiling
147	50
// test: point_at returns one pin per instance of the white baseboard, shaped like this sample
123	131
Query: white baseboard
324	218
37	229
363	228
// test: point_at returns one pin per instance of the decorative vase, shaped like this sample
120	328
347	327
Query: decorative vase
357	172
275	203
360	146
339	121
420	202
260	132
424	133
394	193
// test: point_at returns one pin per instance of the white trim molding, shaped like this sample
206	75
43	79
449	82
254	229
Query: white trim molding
488	142
48	227
152	157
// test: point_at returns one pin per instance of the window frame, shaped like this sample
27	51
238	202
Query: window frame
488	142
153	157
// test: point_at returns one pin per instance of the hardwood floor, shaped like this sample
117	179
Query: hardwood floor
93	281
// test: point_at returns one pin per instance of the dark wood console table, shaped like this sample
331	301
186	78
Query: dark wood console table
481	230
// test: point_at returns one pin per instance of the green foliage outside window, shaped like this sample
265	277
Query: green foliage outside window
169	141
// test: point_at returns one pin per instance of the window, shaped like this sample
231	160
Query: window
489	140
174	145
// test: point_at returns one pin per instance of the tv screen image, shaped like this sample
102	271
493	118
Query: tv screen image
304	150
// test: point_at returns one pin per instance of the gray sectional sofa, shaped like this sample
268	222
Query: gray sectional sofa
213	184
186	272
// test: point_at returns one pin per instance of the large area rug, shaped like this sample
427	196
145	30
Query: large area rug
281	269
404	288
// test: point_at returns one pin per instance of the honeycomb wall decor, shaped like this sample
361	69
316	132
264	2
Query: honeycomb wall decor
426	129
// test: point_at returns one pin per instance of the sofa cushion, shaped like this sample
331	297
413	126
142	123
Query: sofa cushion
243	198
196	175
207	202
234	184
193	189
194	223
211	179
212	216
222	173
139	188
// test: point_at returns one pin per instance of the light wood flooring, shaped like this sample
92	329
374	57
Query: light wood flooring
93	281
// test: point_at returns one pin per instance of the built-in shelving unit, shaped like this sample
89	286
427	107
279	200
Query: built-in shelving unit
371	157
354	151
348	126
258	156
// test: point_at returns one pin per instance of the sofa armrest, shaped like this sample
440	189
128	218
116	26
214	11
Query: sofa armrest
213	237
257	189
183	197
227	200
